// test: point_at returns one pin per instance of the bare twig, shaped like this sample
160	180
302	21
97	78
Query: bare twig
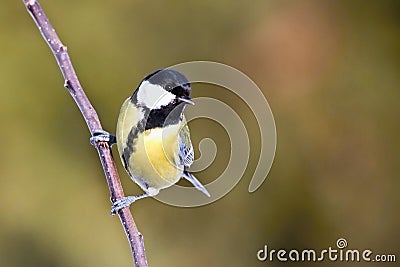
92	120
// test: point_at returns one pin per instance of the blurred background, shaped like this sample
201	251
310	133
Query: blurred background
329	69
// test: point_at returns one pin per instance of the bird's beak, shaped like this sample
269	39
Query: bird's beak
186	100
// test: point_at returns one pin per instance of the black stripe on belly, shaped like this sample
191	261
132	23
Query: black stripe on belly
156	118
130	143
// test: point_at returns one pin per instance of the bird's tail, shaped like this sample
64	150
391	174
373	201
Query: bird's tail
190	177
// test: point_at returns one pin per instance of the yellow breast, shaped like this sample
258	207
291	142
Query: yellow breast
156	159
154	162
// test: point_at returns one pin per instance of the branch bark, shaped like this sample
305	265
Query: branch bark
72	84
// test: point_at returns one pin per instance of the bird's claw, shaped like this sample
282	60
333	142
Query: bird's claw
121	203
102	136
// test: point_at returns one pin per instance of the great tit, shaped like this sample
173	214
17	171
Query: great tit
152	136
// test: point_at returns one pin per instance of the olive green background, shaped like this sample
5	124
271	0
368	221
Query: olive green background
329	69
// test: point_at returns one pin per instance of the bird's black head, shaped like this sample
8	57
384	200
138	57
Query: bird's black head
172	81
163	94
164	87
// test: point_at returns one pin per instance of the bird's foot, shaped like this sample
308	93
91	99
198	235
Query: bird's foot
103	136
125	202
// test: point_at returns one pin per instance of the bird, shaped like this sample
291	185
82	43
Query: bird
152	135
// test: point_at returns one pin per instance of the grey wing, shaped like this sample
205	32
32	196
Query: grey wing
186	152
186	155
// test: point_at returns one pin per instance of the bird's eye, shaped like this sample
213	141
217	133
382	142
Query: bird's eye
169	87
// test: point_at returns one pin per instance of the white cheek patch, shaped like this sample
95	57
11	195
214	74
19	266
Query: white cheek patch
153	96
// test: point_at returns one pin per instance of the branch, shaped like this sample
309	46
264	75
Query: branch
135	238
